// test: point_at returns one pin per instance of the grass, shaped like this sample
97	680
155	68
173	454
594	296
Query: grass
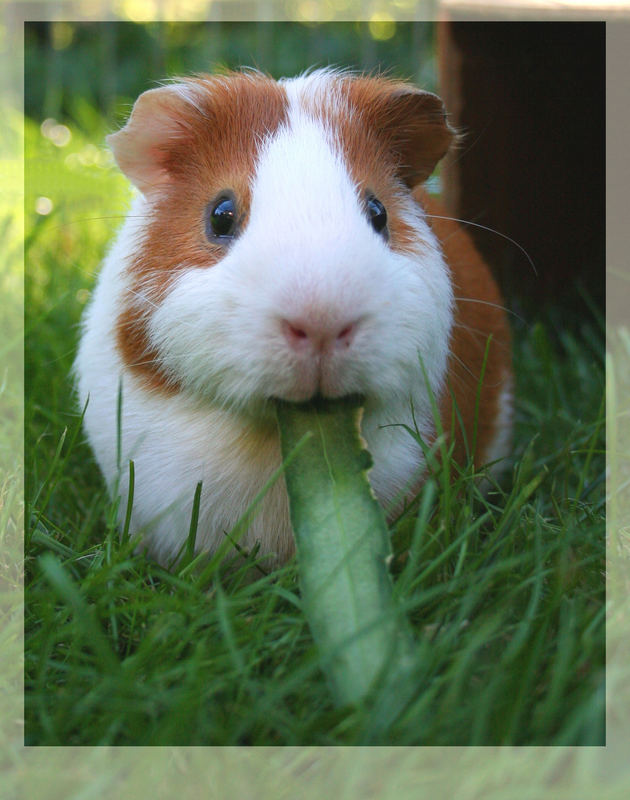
505	593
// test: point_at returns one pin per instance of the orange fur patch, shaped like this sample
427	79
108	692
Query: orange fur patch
479	314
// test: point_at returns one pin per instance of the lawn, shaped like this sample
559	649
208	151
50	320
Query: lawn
505	593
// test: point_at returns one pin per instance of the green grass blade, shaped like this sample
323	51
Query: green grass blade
90	628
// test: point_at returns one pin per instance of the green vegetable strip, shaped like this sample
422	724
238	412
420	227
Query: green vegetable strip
342	547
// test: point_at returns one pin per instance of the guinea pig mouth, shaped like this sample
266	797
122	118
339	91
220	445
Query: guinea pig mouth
311	388
324	403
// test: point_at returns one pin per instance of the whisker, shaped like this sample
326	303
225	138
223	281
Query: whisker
482	336
463	365
491	230
459	379
142	297
463	134
81	220
477	332
148	362
493	305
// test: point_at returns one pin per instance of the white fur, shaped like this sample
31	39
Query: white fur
308	253
501	443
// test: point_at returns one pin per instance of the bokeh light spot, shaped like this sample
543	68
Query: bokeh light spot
43	206
382	27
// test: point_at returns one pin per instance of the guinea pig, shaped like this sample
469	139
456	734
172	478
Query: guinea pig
280	245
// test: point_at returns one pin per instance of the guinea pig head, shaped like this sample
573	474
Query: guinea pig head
283	253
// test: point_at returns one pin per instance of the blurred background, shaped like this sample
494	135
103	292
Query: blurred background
71	65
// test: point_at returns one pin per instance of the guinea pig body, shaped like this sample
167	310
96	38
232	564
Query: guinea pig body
280	247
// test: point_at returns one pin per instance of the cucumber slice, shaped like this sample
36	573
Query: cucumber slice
343	548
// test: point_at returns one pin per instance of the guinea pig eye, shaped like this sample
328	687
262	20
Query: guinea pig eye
221	218
377	215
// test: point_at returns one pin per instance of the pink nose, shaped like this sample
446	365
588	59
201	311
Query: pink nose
303	335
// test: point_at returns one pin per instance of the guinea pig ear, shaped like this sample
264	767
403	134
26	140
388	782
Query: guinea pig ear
159	118
418	132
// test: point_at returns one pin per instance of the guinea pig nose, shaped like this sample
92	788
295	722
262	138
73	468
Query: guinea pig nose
303	335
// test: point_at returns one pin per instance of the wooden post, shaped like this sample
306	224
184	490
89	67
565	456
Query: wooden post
530	99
